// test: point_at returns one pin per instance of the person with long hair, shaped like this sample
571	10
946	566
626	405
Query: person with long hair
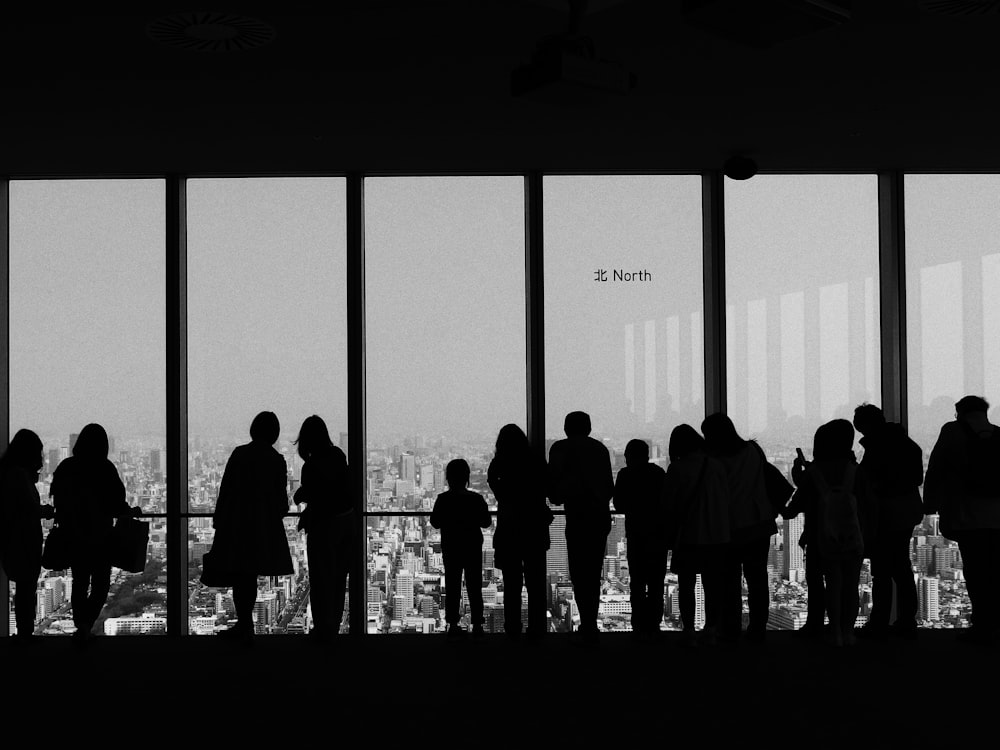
328	521
250	536
752	524
696	504
516	476
21	513
88	496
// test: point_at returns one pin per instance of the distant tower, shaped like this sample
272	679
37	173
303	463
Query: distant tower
407	466
557	558
155	466
930	610
343	442
72	440
616	535
404	588
794	558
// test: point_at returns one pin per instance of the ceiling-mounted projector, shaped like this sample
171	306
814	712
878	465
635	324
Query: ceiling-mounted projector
570	61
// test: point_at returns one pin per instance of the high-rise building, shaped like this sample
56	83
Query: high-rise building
155	466
404	588
793	558
72	440
557	558
929	605
615	536
343	442
407	466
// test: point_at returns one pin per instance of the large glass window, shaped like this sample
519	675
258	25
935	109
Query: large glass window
952	320
445	355
623	334
87	321
267	331
802	326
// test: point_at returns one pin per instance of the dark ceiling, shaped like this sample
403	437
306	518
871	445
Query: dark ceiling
423	85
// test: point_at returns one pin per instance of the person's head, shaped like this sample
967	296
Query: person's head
92	443
720	434
24	450
636	453
969	405
457	473
834	441
577	424
868	418
265	428
313	436
512	440
684	440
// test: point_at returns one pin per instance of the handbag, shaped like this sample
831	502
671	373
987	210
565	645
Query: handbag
129	540
55	552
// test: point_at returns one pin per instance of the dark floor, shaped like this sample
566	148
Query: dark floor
430	691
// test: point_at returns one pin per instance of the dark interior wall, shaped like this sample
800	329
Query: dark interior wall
424	87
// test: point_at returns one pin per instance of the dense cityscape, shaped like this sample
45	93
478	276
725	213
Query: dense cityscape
404	571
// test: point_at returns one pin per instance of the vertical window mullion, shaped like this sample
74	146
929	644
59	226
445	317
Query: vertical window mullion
714	255
356	426
5	355
892	291
177	404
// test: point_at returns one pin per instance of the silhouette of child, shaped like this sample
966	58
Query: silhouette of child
639	495
461	515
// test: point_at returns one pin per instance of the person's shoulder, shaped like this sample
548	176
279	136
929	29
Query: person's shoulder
475	496
654	469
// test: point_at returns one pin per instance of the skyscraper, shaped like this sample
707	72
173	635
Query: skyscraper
557	558
929	605
72	440
794	561
407	466
404	588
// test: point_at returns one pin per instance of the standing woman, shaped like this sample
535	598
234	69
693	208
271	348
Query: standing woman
697	507
517	478
21	512
88	497
751	522
249	531
328	521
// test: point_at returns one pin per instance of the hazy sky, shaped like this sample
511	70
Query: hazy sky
445	302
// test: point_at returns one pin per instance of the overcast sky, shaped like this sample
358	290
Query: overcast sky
445	302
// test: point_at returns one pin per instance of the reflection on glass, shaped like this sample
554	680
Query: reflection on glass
952	322
282	605
802	331
267	325
623	304
802	303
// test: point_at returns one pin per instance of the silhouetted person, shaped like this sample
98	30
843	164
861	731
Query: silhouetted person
832	491
751	520
21	513
250	536
963	485
461	515
639	495
894	468
803	502
517	478
88	497
697	506
580	479
328	521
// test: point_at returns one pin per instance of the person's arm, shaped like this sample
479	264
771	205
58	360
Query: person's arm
553	474
116	494
280	486
301	495
437	513
935	479
620	499
485	519
608	488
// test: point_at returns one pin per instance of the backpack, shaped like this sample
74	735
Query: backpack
839	528
983	476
